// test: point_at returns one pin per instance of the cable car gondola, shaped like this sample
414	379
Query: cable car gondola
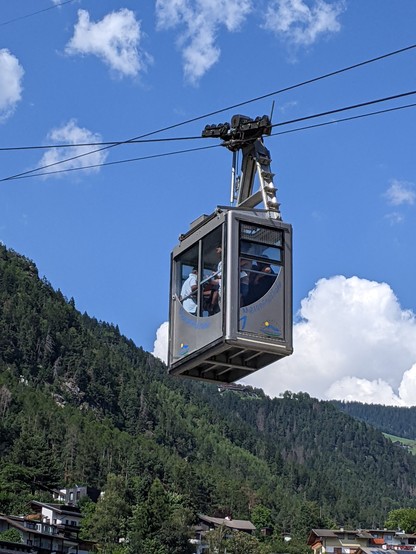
231	273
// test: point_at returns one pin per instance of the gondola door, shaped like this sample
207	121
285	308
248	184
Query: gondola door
197	292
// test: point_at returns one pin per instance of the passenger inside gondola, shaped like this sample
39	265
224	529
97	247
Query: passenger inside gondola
262	278
188	292
215	284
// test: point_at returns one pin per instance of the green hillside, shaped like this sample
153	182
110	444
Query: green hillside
410	445
80	403
393	420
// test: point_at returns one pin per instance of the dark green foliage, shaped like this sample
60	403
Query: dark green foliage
11	535
159	520
393	420
107	524
404	519
278	545
79	403
15	488
242	543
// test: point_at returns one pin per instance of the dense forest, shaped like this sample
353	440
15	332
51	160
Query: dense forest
400	422
82	404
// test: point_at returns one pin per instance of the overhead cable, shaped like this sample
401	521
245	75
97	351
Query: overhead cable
35	13
174	139
83	144
351	118
216	112
117	162
165	154
338	110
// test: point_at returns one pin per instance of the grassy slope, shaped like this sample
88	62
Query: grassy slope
411	444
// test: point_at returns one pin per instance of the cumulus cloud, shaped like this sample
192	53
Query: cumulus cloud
11	76
353	341
400	192
301	22
115	40
160	346
362	390
200	21
69	134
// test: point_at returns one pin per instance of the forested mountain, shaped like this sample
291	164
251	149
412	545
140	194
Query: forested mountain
80	403
389	419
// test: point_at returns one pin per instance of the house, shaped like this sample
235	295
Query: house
337	541
375	550
206	524
14	548
396	540
47	529
72	495
350	541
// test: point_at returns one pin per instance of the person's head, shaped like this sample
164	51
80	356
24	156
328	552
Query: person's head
265	268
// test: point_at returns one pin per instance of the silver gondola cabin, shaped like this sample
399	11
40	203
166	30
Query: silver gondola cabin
231	274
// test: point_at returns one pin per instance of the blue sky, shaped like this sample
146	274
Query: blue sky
91	71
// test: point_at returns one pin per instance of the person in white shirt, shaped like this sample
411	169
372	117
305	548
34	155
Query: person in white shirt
188	293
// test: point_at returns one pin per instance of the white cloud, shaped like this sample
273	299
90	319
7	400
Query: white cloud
394	218
353	342
400	192
370	392
61	2
301	22
11	76
287	106
201	21
407	389
115	40
160	346
376	391
70	133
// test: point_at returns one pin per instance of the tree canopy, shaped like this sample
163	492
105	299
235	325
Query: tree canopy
82	404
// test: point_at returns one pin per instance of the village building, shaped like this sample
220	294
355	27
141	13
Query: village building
352	541
207	524
48	528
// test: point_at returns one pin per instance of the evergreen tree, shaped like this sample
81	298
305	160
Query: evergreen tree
404	519
242	543
108	523
11	535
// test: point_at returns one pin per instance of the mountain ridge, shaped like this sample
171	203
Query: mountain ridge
394	420
80	402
